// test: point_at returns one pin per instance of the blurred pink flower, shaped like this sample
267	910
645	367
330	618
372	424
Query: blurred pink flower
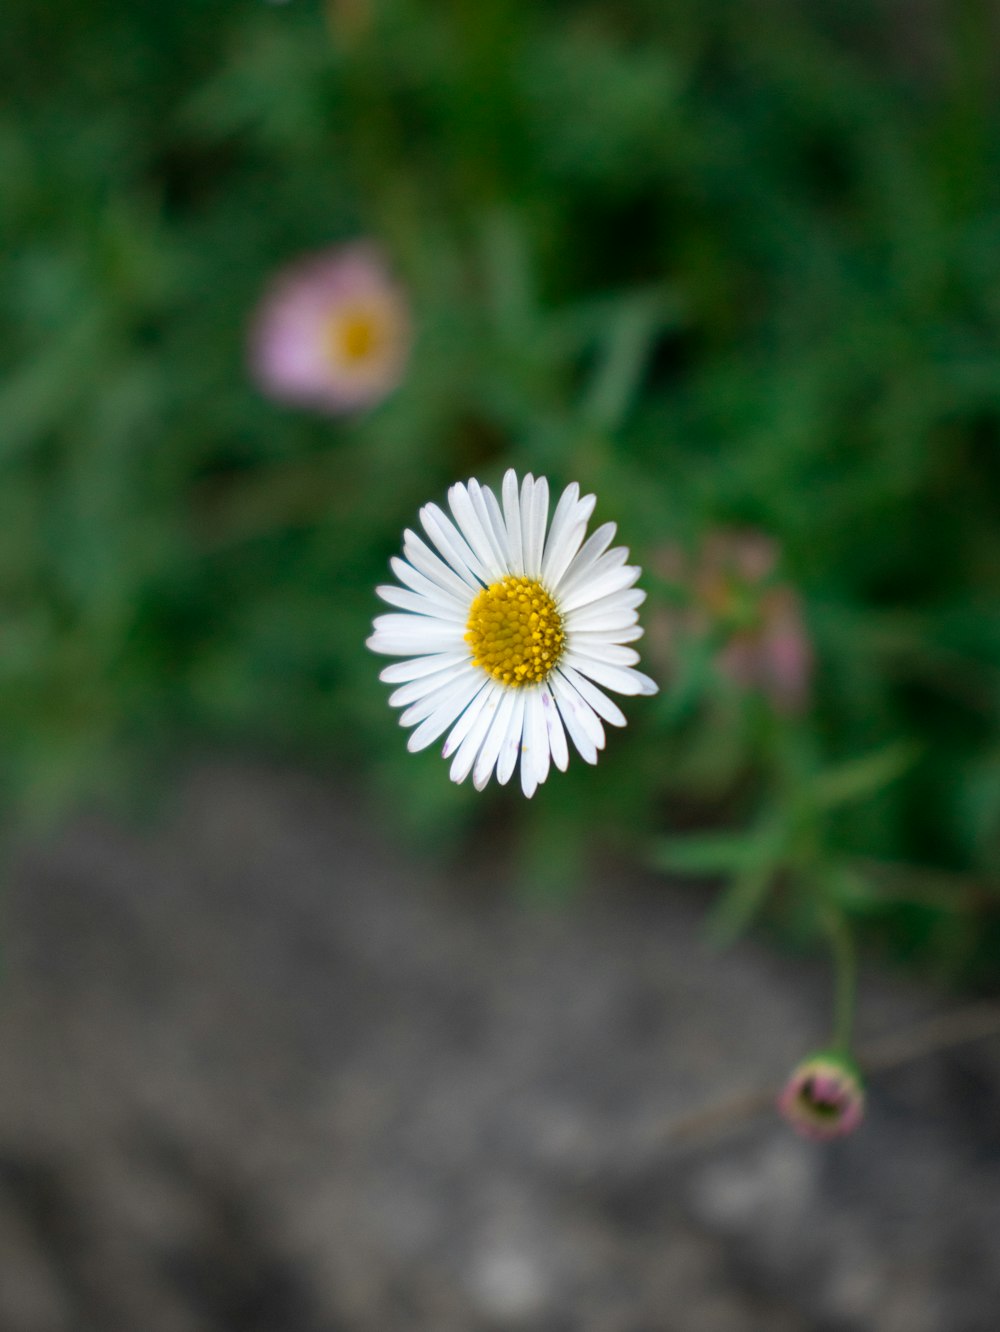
733	593
823	1098
332	332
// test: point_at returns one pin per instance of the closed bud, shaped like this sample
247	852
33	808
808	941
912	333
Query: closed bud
824	1098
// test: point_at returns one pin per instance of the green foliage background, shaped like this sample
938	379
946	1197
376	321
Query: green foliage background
721	263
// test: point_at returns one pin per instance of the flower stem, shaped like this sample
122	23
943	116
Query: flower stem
845	966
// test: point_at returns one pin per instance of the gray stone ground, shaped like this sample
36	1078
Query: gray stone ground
261	1073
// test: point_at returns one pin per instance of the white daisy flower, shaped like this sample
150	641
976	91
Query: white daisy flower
511	630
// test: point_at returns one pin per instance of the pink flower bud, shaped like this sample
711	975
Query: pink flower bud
824	1097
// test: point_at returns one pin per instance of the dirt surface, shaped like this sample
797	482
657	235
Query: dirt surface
259	1072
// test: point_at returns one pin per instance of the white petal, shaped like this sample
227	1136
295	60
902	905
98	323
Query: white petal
507	761
467	720
568	526
420	604
417	626
536	515
419	582
499	525
428	684
438	721
612	654
512	515
554	729
580	720
534	743
564	550
465	755
593	589
524	503
581	574
628	635
629	598
423	558
487	757
465	682
485	504
589	553
398	672
622	679
608	619
452	545
480	538
602	705
428	636
529	739
561	517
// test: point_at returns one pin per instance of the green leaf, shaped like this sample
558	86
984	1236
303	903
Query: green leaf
707	853
751	859
623	355
737	907
742	901
863	777
508	271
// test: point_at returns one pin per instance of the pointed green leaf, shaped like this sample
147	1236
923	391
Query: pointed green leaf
736	908
707	853
862	777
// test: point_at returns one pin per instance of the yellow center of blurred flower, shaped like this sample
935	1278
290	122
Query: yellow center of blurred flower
355	336
515	631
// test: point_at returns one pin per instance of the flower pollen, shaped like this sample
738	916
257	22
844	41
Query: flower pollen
515	631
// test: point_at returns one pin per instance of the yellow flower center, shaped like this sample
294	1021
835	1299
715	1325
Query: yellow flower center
354	335
515	631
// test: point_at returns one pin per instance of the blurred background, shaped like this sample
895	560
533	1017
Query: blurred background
735	269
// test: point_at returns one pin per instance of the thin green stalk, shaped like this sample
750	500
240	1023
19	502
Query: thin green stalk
845	967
